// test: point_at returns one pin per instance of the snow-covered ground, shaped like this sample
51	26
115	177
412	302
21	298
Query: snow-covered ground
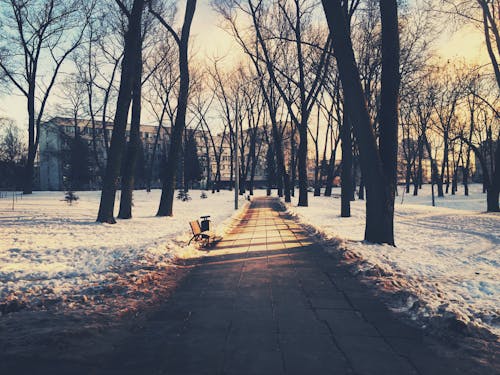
447	257
50	247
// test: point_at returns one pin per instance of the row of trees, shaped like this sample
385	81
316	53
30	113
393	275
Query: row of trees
449	120
363	84
12	155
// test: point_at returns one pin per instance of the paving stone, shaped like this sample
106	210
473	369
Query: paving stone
209	320
201	351
322	356
347	322
291	326
373	356
425	360
253	354
388	326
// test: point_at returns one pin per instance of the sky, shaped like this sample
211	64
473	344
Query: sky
209	40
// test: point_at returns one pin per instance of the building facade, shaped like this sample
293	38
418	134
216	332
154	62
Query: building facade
59	165
56	152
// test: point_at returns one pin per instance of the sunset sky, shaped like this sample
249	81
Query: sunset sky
209	40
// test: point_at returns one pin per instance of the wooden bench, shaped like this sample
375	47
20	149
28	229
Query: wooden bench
208	238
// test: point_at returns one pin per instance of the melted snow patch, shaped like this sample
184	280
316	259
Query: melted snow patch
49	247
447	257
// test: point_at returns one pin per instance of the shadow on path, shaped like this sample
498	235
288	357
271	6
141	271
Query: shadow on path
268	300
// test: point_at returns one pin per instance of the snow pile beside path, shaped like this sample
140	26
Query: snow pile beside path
49	248
446	265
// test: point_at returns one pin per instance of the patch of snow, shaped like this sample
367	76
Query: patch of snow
48	246
448	256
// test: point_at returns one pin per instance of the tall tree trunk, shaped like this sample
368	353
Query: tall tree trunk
454	186
184	167
443	166
231	162
302	164
361	193
415	187
128	180
293	160
466	179
244	165
492	195
407	177
388	114
494	190
346	174
331	173
94	138
30	162
420	159
491	185
283	176
149	176
207	158
107	204
324	164
467	161
434	169
287	188
255	158
490	28
329	179
167	193
317	172
378	177
354	173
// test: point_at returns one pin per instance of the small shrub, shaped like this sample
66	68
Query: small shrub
183	195
70	197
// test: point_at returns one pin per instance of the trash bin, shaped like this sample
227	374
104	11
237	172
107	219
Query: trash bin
205	223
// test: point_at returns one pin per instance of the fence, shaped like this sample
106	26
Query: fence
12	195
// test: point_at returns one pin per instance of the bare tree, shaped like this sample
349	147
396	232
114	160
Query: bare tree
294	55
134	149
423	109
378	163
12	154
118	139
202	99
448	93
226	90
254	108
481	134
98	64
409	149
161	95
335	114
485	15
35	46
271	97
348	184
213	149
167	196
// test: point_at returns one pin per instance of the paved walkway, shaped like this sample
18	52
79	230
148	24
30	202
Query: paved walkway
267	300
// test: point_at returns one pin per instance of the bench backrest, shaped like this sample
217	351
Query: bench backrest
195	227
